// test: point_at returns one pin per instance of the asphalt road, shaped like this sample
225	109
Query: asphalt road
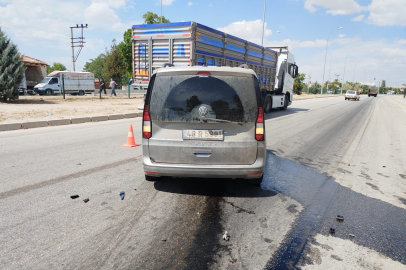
326	157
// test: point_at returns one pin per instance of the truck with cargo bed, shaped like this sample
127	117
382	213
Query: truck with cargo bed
373	91
193	44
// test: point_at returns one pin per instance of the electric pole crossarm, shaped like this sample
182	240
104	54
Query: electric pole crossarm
78	44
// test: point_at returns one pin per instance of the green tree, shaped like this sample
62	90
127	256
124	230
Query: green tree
55	66
315	88
151	18
125	48
336	85
365	89
383	84
298	83
96	66
114	66
11	68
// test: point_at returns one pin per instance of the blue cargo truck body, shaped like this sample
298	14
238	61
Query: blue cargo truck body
192	44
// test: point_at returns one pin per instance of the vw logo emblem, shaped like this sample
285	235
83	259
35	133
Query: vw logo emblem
203	111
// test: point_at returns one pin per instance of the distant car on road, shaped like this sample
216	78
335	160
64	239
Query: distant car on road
351	94
330	92
204	122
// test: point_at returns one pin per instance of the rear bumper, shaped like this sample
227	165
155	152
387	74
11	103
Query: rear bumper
205	171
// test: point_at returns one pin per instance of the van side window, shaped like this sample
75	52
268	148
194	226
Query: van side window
53	81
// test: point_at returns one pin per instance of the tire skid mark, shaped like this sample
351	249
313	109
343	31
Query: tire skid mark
64	178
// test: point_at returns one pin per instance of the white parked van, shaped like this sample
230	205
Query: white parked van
79	83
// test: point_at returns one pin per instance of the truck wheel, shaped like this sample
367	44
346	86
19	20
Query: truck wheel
81	93
267	104
48	92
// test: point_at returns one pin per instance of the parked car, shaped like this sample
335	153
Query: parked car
351	94
330	92
204	122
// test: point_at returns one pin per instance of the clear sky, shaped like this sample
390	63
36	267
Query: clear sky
372	43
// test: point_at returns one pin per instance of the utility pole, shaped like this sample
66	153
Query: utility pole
308	82
78	43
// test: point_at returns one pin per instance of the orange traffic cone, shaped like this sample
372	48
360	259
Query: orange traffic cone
130	138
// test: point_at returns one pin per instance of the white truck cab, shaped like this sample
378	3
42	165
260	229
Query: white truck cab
78	83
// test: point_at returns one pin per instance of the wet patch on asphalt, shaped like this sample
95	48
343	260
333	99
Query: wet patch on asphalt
202	221
375	224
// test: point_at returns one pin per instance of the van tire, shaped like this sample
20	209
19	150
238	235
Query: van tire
151	178
48	92
81	93
256	181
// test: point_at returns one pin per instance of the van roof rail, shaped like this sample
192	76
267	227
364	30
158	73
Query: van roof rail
244	66
167	65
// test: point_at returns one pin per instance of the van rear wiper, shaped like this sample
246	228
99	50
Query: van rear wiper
219	120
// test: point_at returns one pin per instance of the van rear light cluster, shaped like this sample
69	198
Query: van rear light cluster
259	126
146	124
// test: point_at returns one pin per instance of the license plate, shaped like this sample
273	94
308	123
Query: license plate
199	134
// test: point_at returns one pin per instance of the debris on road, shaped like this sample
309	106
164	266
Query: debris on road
340	218
332	231
79	164
226	236
163	240
351	235
86	200
122	194
74	196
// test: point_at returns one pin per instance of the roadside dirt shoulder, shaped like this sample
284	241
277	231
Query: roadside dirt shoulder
38	108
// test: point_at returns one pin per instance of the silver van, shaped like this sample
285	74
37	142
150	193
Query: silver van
203	122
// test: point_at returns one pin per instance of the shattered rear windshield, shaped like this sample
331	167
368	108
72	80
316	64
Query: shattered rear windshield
191	98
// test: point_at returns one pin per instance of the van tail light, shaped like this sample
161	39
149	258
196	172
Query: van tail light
259	126
146	124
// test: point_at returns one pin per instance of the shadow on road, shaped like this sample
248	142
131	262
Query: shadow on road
212	187
275	113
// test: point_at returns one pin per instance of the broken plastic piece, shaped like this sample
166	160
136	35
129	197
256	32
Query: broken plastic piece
74	196
226	236
122	194
332	231
351	235
340	218
163	240
86	200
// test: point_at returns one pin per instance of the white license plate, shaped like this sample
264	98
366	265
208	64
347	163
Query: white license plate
203	134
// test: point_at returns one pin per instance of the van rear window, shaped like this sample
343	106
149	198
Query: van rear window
185	98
